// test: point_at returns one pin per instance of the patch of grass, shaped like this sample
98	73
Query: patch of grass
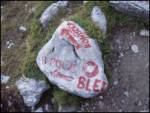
34	42
63	98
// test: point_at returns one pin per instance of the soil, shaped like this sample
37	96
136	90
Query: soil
129	90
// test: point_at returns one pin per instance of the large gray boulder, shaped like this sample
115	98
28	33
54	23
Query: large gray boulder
73	61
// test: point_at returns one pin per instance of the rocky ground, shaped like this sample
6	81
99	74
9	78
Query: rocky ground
129	90
129	86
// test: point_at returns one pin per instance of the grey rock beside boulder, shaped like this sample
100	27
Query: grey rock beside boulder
138	9
4	79
31	90
98	17
51	11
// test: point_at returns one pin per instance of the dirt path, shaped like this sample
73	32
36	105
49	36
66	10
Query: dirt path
130	87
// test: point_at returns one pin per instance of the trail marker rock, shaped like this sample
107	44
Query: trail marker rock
73	61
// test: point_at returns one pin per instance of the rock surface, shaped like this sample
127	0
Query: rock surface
31	90
138	9
4	79
72	61
51	11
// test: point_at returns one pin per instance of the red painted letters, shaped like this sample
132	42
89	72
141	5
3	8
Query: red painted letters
97	86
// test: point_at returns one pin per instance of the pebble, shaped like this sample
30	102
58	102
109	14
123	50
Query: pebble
120	110
101	97
2	18
121	54
86	104
134	48
22	28
9	44
84	2
144	32
4	79
100	104
139	103
2	62
126	93
9	103
7	87
123	101
133	34
116	82
32	10
118	41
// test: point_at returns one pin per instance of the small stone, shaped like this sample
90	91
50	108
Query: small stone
133	34
9	103
134	48
118	60
146	65
123	101
84	2
100	104
2	18
7	87
144	32
40	109
31	90
26	5
22	28
9	44
94	107
116	82
86	104
121	55
118	41
99	18
126	93
139	103
101	97
2	62
4	79
120	110
32	10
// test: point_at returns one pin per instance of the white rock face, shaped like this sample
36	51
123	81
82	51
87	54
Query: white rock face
31	90
51	11
139	9
99	18
4	79
73	61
